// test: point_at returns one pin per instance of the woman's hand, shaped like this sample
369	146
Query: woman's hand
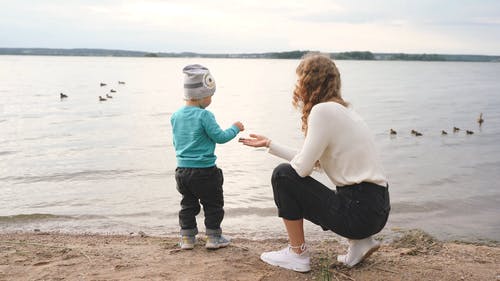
256	141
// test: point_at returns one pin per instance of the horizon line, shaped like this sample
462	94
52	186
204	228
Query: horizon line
243	53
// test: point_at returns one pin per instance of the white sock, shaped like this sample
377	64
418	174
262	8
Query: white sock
358	250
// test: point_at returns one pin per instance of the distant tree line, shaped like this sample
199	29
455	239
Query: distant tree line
419	57
297	54
287	55
354	56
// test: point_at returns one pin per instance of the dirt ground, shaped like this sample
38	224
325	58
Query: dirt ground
52	256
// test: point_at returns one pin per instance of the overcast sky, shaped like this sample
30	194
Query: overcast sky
236	26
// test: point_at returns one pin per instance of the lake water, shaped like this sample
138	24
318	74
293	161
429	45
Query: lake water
80	165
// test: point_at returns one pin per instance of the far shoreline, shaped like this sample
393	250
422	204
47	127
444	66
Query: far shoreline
297	54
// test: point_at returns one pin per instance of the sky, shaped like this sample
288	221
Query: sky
255	26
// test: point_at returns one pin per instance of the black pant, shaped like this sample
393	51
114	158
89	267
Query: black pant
355	211
200	185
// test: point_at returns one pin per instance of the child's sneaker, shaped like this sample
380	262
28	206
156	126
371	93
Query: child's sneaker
217	241
187	242
288	259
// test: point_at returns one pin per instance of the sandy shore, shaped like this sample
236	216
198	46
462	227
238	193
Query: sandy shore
52	256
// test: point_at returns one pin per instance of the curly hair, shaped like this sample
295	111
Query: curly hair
318	81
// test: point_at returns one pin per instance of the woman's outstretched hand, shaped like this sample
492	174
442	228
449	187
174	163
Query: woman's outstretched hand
256	141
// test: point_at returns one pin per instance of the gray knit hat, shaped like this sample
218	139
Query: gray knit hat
198	82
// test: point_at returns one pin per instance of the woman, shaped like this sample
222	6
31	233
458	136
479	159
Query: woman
338	142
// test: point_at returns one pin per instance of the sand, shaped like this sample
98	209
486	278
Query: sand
55	256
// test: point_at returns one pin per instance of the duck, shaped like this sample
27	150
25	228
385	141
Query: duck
413	132
480	120
112	91
468	132
455	129
63	95
392	132
101	98
103	84
443	132
108	96
121	82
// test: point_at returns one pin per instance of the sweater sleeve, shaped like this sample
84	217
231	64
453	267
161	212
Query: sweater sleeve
281	151
215	132
314	145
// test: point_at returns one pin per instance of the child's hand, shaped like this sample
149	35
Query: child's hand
239	125
256	141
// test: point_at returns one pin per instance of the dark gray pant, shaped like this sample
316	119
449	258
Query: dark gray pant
200	185
355	211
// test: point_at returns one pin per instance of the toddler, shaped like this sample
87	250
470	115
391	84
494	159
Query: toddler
199	180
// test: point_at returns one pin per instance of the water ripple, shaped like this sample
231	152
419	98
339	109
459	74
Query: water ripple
262	212
23	218
159	114
76	176
30	217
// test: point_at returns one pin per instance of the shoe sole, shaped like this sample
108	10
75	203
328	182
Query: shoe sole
287	266
366	255
216	246
187	247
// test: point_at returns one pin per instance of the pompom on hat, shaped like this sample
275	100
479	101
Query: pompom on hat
198	82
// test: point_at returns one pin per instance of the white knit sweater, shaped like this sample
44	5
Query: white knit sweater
339	138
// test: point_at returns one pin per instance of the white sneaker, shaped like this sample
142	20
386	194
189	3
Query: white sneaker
288	259
358	251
